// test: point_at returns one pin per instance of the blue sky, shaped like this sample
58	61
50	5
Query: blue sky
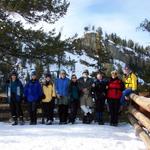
114	16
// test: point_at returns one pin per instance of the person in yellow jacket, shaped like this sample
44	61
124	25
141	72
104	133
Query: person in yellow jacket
130	81
48	100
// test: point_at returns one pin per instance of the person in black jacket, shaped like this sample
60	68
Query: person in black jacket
99	90
74	98
14	94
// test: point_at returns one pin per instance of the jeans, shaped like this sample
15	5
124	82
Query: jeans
125	93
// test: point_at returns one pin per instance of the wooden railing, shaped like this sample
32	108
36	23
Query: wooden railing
139	117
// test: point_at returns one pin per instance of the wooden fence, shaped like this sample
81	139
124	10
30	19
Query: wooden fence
139	117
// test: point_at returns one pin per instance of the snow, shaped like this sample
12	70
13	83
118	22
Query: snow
79	68
117	62
69	137
111	42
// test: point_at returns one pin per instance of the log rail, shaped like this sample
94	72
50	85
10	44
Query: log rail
139	117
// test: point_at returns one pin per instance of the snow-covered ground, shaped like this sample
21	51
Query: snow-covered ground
68	137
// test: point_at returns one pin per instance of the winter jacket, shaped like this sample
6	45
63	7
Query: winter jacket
33	91
99	89
15	89
74	91
62	86
49	92
115	88
85	85
130	81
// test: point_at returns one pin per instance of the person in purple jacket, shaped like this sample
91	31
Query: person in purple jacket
33	94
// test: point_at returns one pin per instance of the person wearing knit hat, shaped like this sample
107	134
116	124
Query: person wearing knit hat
33	94
86	102
14	94
131	84
33	73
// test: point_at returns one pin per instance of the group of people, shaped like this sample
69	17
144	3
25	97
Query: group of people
86	93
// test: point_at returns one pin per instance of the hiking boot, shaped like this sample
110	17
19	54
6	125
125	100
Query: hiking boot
84	119
49	122
43	121
101	122
89	118
15	121
33	123
21	120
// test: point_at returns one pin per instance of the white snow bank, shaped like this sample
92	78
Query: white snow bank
68	137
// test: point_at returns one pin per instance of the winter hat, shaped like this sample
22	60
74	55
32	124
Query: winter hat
86	71
14	73
33	73
127	67
48	75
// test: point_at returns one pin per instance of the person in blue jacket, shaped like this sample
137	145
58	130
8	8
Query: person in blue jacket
62	92
14	95
33	94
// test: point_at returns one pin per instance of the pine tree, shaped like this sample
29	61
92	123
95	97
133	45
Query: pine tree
17	42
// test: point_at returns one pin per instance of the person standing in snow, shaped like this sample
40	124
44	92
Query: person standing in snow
33	94
62	92
74	95
130	81
114	92
15	94
99	90
86	102
48	101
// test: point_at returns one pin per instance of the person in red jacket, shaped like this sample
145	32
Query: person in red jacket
114	93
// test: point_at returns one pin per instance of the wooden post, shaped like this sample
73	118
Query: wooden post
140	132
140	117
141	101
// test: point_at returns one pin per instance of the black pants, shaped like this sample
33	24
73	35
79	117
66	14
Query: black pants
99	107
100	103
73	110
33	111
15	108
114	110
48	110
63	113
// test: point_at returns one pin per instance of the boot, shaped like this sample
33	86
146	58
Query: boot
21	120
49	122
43	121
101	122
84	119
15	121
89	118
